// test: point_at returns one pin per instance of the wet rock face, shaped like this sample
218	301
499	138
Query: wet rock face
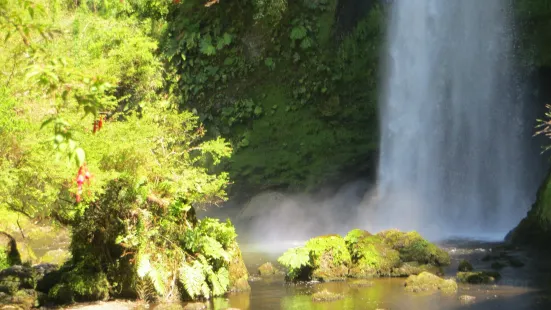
428	282
238	271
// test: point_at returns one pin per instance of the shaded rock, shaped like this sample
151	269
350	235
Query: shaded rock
57	257
9	255
413	247
370	255
238	271
464	265
478	277
79	285
466	299
326	296
428	282
267	269
330	258
17	278
48	276
515	262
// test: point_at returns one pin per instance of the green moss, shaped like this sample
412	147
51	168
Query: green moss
535	228
16	278
428	282
370	255
464	265
238	271
413	247
478	277
326	296
4	263
80	285
330	258
9	255
414	268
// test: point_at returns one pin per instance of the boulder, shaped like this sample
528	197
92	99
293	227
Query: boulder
478	277
413	247
428	282
17	278
370	255
414	268
79	285
267	269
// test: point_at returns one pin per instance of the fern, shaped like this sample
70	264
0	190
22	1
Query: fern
295	259
213	249
220	281
193	279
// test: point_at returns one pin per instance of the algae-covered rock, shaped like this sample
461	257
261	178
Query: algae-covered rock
80	285
267	269
330	258
413	247
370	255
17	278
414	268
478	277
428	282
326	296
9	255
464	265
238	271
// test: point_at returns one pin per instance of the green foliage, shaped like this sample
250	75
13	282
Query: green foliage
295	260
533	19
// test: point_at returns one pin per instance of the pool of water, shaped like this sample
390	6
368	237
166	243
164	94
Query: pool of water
528	287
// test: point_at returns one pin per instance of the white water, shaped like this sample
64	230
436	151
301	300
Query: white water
452	156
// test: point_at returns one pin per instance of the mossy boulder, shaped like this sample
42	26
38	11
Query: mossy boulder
17	278
267	269
464	265
9	255
79	285
428	282
414	268
370	255
238	271
478	277
413	247
330	258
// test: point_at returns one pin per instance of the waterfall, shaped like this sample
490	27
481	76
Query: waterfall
453	146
